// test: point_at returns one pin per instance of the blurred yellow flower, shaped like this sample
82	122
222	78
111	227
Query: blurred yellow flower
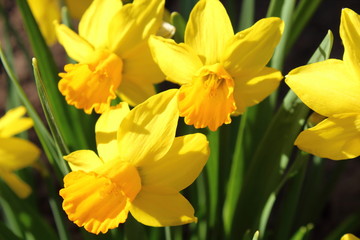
15	153
220	73
113	54
332	89
140	167
349	236
46	11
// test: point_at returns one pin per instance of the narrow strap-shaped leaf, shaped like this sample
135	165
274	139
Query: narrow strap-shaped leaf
30	222
6	233
272	155
246	18
72	120
49	114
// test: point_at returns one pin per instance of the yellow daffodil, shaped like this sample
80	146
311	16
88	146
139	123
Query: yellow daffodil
332	89
46	11
220	73
15	153
140	168
349	236
113	54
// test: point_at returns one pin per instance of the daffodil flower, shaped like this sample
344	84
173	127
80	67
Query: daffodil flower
349	236
46	11
220	73
140	168
16	153
113	54
332	89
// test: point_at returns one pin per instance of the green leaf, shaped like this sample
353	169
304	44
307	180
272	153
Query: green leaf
72	123
302	233
247	13
303	13
32	225
271	157
6	233
179	23
49	114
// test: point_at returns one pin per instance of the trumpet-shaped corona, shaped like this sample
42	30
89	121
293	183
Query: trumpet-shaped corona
140	168
94	80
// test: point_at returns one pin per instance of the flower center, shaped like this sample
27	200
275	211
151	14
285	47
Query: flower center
213	76
208	101
92	84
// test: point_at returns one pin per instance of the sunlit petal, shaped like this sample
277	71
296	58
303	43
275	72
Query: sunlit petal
76	47
180	166
251	91
326	87
349	237
45	12
337	137
251	49
183	63
106	130
350	35
136	22
208	30
85	160
160	207
94	24
148	131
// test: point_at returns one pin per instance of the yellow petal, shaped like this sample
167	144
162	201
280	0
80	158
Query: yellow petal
94	24
13	122
77	8
17	153
349	236
137	86
180	166
178	61
208	30
45	12
135	23
251	49
140	57
208	101
336	137
251	91
106	130
135	92
18	186
92	84
84	160
98	206
158	208
326	87
350	35
76	47
148	131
